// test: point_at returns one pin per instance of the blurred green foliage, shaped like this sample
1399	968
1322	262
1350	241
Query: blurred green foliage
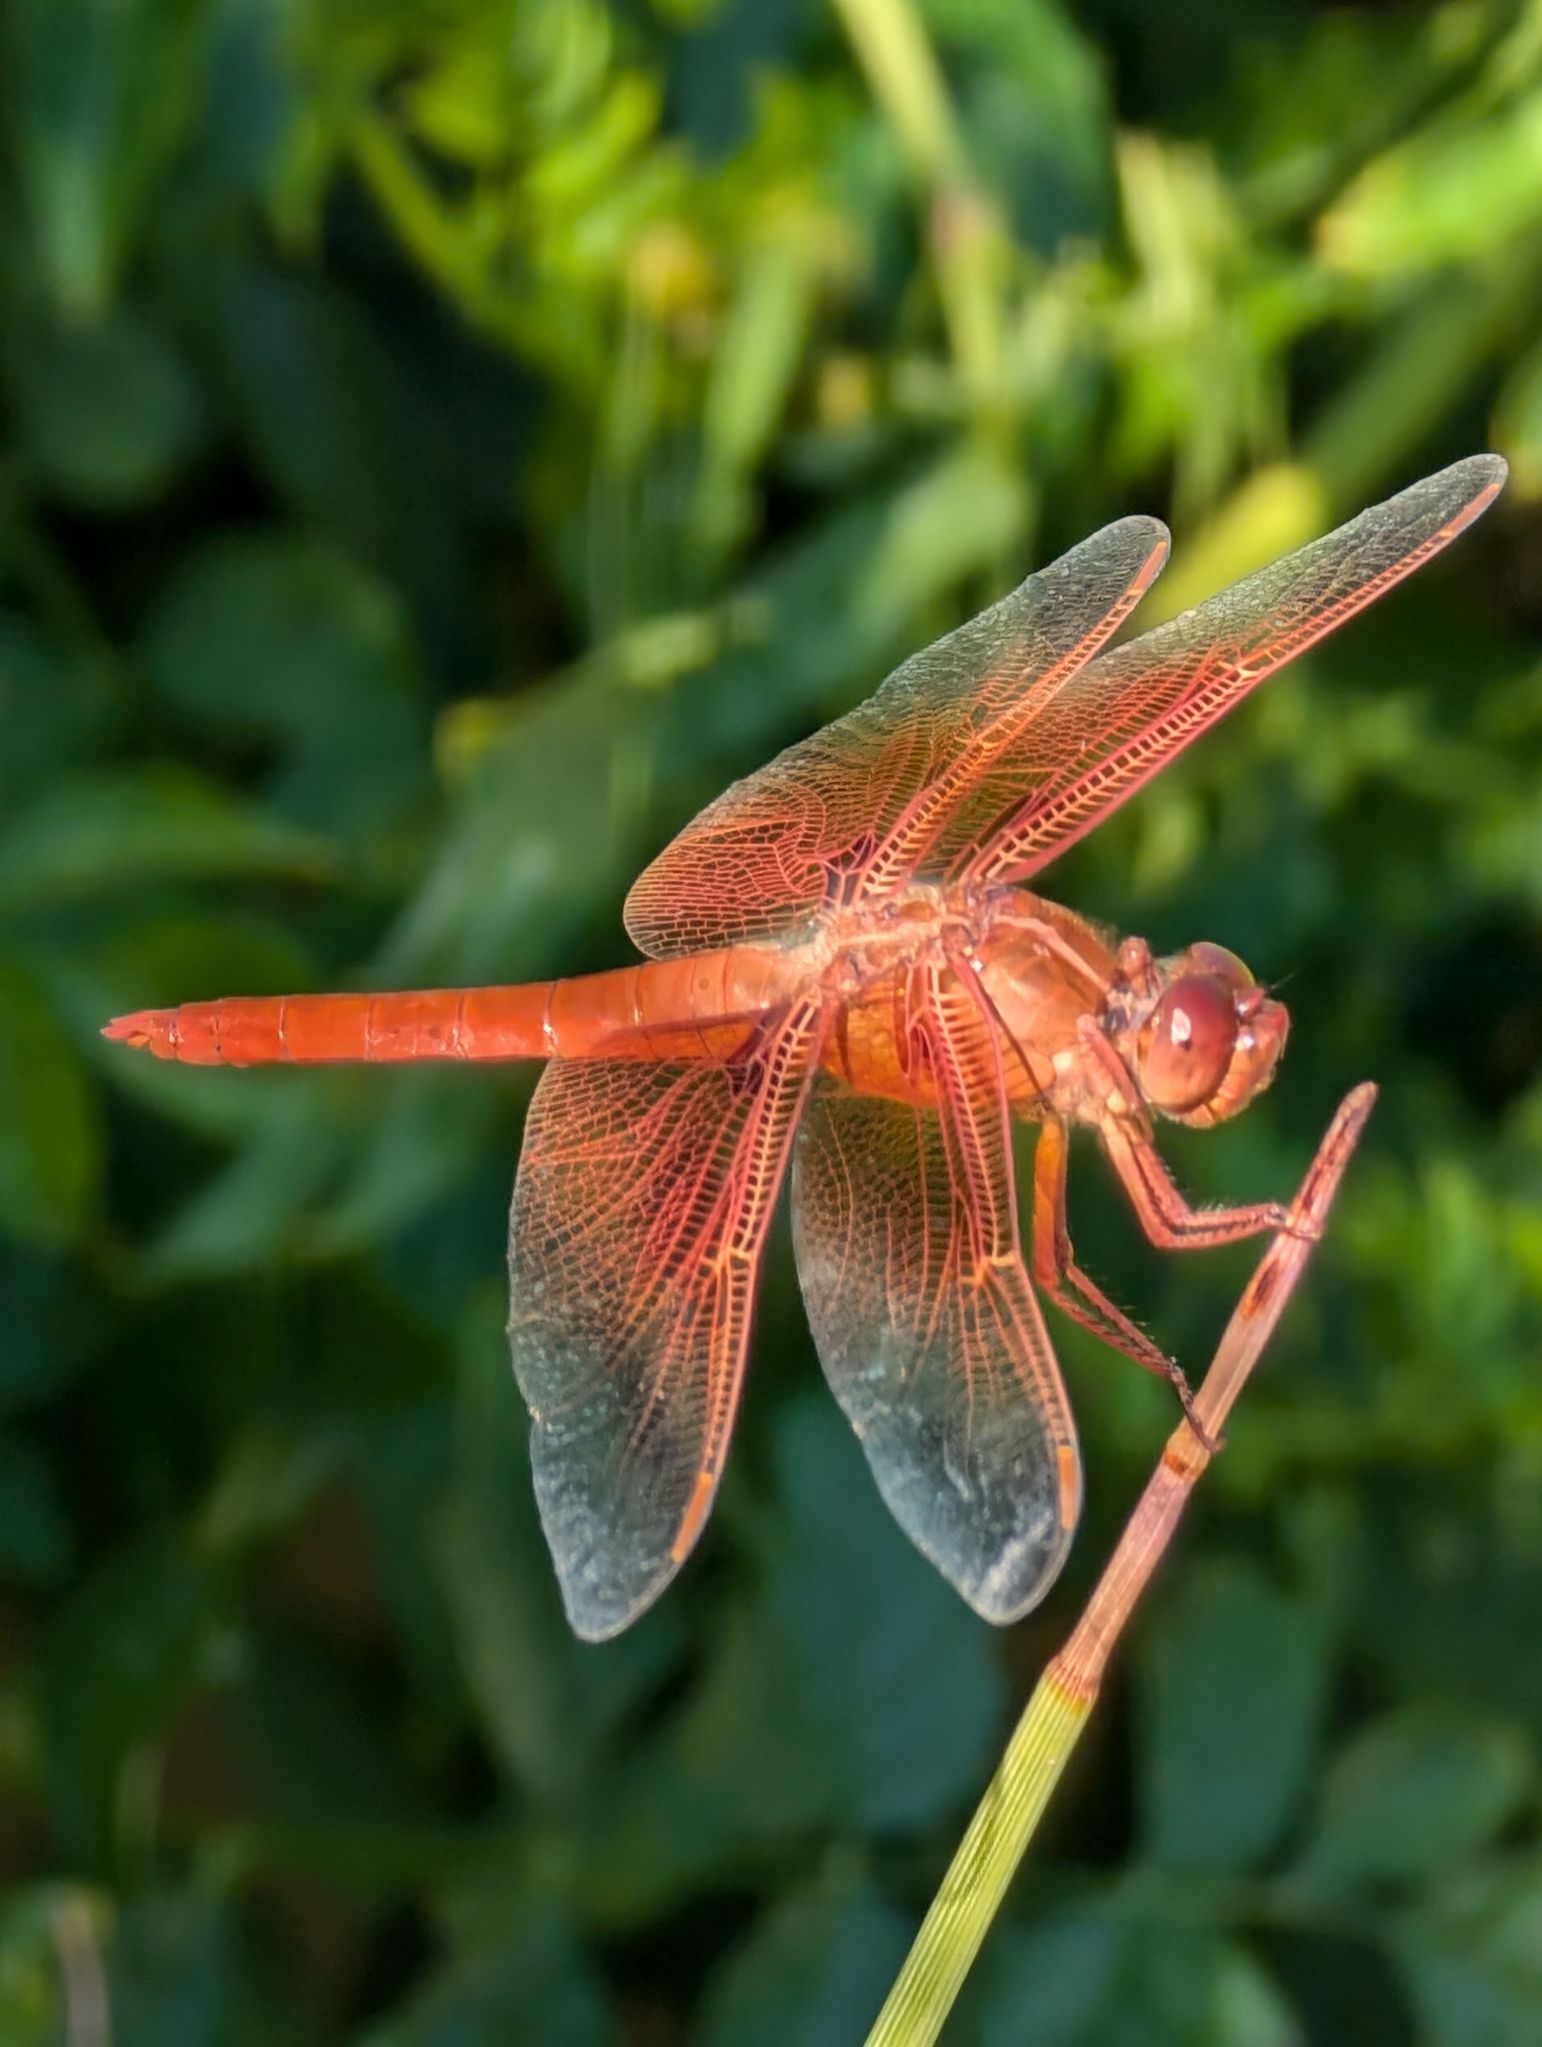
442	444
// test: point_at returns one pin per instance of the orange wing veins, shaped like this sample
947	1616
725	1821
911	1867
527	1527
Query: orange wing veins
1128	713
780	848
905	1226
640	1211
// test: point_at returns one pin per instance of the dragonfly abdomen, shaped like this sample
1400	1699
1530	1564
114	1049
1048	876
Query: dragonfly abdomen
696	1007
309	1030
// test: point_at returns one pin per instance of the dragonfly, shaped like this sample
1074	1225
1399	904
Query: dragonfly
849	975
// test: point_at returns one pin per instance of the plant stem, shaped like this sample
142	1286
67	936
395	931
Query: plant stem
1040	1746
969	242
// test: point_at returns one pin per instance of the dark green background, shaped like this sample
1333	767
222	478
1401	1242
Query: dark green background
442	443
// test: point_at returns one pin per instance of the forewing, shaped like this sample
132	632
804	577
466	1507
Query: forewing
1123	717
905	1225
640	1209
762	861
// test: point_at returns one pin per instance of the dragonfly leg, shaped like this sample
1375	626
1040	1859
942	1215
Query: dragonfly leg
1073	1292
1167	1218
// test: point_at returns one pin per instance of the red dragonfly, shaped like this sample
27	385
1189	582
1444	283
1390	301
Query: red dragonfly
847	970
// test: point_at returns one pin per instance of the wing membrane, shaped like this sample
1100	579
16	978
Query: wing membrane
640	1209
1122	718
905	1225
762	861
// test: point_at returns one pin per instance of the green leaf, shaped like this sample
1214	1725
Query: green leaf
401	455
739	1777
54	706
50	1135
1518	422
250	1213
540	1987
1231	1681
150	959
1472	1959
99	95
278	638
901	1679
1124	1974
34	1923
814	1970
539	833
1452	191
105	413
1048	1985
960	517
176	1976
885	1704
188	954
425	1132
101	831
121	1659
1450	1579
1417	1791
758	355
548	1705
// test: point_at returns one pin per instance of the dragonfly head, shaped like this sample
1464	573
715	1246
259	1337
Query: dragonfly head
1209	1040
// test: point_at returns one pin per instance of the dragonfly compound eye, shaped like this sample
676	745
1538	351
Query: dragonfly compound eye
1217	961
1189	1043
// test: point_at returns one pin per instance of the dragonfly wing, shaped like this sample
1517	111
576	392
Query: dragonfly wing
640	1209
1124	716
761	862
905	1225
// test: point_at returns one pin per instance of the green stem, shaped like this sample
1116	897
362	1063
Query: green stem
907	82
984	1865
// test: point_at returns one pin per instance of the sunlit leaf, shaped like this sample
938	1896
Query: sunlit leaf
1518	423
1456	190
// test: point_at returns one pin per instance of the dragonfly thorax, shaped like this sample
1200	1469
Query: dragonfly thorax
921	920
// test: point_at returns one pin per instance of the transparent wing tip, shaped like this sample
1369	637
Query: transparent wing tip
1490	469
601	1605
1019	1579
1476	481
